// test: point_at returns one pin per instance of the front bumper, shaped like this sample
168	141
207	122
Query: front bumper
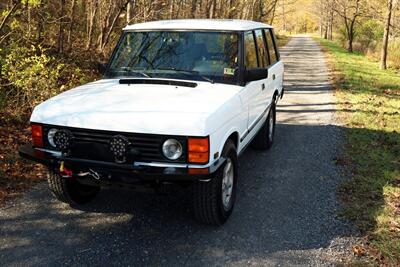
121	173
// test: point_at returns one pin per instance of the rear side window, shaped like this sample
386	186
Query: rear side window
262	52
250	55
271	47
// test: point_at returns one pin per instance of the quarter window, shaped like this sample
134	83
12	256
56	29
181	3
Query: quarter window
262	52
271	46
250	51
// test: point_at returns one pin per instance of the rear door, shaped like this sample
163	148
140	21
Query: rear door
275	69
262	48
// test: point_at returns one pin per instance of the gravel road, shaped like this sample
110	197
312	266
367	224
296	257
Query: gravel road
285	213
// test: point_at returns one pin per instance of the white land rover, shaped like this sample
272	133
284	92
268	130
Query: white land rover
179	102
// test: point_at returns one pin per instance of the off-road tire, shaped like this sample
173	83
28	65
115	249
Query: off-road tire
262	141
69	190
208	206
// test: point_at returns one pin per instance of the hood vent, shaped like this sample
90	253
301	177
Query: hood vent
157	81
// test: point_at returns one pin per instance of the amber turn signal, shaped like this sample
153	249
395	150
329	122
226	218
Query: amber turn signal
198	149
37	135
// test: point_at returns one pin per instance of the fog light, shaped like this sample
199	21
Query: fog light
63	139
172	149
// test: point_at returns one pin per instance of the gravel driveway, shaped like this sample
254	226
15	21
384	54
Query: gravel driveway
285	213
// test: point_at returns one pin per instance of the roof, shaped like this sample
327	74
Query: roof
199	24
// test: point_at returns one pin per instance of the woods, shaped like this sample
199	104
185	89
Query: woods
364	26
66	41
65	23
74	37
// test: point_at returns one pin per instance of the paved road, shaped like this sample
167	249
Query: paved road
285	214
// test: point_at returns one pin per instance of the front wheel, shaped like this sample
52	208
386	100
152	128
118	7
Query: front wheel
214	200
265	136
69	190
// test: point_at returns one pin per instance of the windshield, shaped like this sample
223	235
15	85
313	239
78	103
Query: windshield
203	56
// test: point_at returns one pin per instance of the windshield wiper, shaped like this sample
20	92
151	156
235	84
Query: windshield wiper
188	72
133	71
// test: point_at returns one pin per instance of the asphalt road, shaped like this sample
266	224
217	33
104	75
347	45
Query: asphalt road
285	212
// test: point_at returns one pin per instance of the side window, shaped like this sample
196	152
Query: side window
271	46
250	56
262	52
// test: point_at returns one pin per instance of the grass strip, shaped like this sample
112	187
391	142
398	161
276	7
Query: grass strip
369	107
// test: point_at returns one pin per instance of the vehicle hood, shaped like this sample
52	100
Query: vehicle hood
142	108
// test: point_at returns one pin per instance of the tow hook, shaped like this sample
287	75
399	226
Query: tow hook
64	171
94	174
91	172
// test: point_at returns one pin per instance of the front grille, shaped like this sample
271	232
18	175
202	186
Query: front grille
94	145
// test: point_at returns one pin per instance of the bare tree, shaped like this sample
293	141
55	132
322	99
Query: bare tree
385	45
110	14
60	45
71	24
91	16
350	11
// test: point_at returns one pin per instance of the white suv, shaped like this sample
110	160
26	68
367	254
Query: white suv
179	102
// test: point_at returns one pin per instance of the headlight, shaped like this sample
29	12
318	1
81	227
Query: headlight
50	136
172	149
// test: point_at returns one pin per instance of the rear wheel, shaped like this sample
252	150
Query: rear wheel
214	200
265	136
69	190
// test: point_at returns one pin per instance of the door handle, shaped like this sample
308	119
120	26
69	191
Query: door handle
262	86
273	77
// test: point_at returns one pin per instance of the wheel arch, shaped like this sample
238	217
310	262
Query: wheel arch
235	139
232	135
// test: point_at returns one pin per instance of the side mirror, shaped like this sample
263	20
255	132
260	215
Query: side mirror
256	74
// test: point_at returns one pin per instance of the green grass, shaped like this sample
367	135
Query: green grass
369	104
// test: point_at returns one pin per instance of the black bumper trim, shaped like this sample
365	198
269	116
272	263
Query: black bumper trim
112	171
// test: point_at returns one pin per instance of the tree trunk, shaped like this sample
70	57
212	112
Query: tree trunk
331	25
40	25
61	29
320	29
283	16
272	11
386	36
105	35
350	43
29	19
351	34
193	8
213	8
92	11
129	12
71	23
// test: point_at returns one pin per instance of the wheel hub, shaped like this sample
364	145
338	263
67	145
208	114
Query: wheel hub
271	125
227	184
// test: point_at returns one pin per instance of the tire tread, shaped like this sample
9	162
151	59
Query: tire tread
206	197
